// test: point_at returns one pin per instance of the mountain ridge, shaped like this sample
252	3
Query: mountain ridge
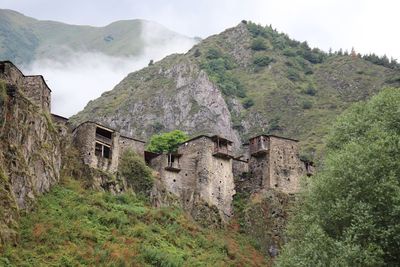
269	83
24	39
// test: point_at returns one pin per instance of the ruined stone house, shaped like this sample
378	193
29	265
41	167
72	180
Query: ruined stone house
199	172
101	147
34	87
204	168
273	162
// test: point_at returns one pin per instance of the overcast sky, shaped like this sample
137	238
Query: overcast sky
368	26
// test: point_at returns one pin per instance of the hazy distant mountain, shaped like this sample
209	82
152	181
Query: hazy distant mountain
24	39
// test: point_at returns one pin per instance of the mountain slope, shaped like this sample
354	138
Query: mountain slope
24	39
267	83
76	227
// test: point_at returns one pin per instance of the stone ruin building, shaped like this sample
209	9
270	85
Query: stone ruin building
34	87
203	169
101	147
200	170
272	162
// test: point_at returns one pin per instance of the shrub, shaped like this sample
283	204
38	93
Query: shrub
197	53
274	124
213	53
166	142
310	91
289	52
293	75
134	170
307	104
262	61
258	44
248	102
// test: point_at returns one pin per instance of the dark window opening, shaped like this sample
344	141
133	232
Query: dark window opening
102	151
106	152
103	133
98	150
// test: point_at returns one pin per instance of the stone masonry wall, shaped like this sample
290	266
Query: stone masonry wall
30	159
33	87
130	143
11	74
203	178
37	91
286	166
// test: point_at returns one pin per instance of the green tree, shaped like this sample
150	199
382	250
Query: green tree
258	44
349	213
166	142
262	61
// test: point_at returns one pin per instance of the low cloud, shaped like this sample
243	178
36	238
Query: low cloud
83	76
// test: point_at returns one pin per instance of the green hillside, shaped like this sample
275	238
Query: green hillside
23	39
75	227
269	83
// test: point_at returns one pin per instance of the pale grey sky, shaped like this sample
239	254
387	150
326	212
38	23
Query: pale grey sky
367	25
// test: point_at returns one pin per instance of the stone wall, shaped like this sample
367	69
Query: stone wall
131	143
30	157
11	74
85	140
34	87
274	163
203	179
286	168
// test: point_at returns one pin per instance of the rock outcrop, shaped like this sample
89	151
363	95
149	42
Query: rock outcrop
30	156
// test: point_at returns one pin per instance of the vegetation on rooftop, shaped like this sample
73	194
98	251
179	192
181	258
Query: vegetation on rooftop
166	142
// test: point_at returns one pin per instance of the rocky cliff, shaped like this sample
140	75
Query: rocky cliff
173	94
245	81
30	156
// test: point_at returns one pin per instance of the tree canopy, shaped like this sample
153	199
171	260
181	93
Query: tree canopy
166	142
349	213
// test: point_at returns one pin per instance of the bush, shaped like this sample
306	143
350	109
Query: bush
274	124
197	53
293	75
307	104
247	103
310	91
258	44
289	52
262	61
134	170
166	142
213	53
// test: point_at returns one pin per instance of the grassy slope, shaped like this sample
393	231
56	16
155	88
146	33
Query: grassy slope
75	227
23	38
